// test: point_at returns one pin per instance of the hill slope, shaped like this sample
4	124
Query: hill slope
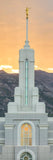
43	80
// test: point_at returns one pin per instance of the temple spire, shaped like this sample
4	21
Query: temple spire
27	10
27	42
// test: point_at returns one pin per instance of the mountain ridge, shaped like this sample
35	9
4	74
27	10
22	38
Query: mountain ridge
43	80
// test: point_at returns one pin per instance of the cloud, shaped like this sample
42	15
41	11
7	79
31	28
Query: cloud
50	69
15	71
5	67
8	69
36	66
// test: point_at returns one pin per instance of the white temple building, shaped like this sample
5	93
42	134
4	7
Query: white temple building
26	132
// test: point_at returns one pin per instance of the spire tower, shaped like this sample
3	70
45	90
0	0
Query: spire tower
27	42
27	10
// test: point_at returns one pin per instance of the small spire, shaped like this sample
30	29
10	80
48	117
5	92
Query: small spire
27	42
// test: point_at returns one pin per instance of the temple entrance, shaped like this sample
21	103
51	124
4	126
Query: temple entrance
26	156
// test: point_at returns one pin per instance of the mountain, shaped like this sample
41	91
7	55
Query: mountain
43	80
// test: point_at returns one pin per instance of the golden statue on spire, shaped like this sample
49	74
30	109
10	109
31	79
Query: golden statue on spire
27	12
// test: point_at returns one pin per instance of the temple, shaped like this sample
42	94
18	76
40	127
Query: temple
26	132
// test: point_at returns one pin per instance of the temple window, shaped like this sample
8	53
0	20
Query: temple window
26	134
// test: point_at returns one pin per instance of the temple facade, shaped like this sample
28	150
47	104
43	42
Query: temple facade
26	132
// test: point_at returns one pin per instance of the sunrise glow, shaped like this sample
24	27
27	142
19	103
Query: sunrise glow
13	33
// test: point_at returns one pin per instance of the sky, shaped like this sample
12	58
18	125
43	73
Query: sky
13	33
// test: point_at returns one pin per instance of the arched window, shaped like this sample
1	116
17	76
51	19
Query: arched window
26	134
26	156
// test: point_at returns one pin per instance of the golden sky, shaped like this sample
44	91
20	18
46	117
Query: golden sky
13	33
